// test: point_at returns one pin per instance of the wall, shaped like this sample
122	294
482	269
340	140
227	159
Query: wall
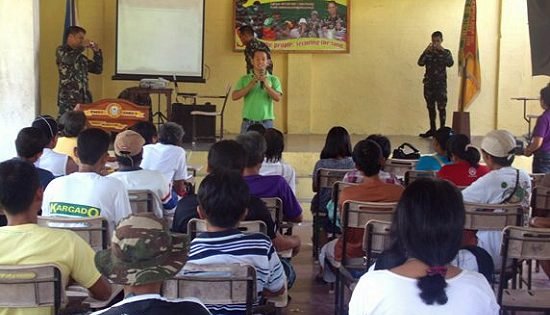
18	69
375	88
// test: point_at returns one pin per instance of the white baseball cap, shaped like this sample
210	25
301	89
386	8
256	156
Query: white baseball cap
499	143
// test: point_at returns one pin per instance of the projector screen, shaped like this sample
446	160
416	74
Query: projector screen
160	38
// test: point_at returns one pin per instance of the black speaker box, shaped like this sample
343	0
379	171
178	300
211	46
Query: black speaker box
206	125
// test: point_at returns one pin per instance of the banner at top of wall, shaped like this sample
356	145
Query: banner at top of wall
468	58
539	28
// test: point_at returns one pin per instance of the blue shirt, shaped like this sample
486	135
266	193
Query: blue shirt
432	162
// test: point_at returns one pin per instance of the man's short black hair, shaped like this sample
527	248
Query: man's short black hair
224	198
275	145
72	123
18	185
246	30
226	155
383	142
130	161
92	144
437	34
72	30
254	146
367	155
29	142
146	129
171	133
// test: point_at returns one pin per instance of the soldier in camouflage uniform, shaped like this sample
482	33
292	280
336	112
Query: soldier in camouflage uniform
73	67
246	34
436	59
142	255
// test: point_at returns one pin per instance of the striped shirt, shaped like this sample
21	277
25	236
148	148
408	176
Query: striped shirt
234	247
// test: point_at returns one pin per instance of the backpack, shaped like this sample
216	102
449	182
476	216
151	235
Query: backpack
485	264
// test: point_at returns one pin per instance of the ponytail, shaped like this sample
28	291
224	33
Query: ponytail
432	286
459	146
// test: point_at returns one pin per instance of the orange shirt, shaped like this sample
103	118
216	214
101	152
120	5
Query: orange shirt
371	190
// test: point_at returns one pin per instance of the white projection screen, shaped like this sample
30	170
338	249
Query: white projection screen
160	38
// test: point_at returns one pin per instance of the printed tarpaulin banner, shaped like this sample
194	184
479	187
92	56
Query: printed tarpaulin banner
539	33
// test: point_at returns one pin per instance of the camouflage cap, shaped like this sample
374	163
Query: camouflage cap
142	251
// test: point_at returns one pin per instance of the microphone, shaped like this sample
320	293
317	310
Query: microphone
262	73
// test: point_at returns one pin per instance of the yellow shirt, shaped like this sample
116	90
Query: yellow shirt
31	244
66	145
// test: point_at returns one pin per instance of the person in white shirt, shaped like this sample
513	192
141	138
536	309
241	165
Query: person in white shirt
57	163
129	151
87	193
168	157
273	163
416	277
503	184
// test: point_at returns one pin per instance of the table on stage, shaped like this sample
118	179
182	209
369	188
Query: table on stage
167	93
527	117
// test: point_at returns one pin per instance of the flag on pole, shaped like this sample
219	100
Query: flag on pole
468	58
71	18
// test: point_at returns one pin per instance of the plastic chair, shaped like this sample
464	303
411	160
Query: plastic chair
93	230
195	226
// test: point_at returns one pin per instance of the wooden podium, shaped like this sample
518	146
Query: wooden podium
113	114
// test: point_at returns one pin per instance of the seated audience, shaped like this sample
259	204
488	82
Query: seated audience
367	154
426	235
141	256
270	185
72	123
168	157
29	144
229	156
273	163
23	242
503	184
57	163
434	162
336	154
87	193
147	130
129	152
542	222
465	168
223	200
356	176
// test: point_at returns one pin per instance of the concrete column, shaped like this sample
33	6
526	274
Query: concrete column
299	96
19	22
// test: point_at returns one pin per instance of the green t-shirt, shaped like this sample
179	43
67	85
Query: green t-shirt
258	105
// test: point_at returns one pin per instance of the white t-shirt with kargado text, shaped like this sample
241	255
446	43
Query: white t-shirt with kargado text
383	292
87	195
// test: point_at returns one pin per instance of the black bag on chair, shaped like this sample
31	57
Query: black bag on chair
400	153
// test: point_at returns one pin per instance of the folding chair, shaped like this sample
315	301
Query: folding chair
31	286
93	230
536	179
376	239
275	207
336	191
412	175
523	243
356	215
493	217
215	285
141	200
324	179
540	201
195	226
399	167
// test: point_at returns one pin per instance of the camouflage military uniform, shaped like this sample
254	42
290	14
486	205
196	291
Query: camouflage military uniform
435	82
251	47
73	67
142	251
